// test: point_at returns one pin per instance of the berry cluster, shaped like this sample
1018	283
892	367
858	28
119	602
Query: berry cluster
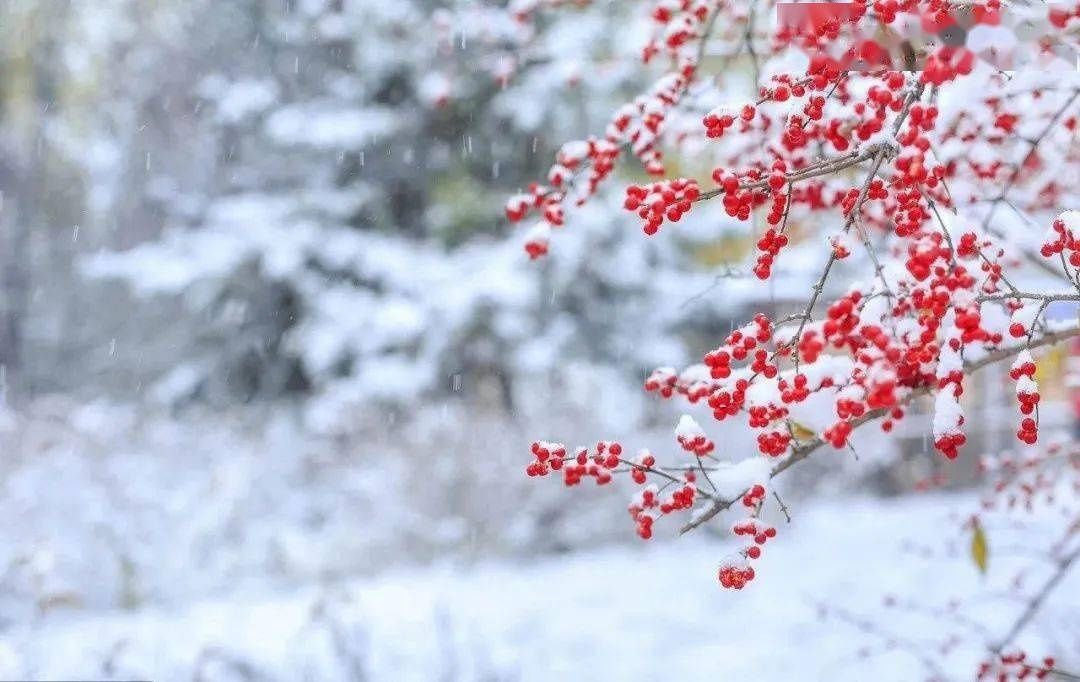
735	572
969	322
761	416
642	464
795	391
606	459
1016	330
647	505
1008	667
662	380
756	530
598	156
773	442
547	457
742	481
692	437
946	63
816	27
582	166
837	434
784	90
1027	394
1060	15
770	244
728	402
719	120
653	203
752	499
966	246
539	198
694	383
1061	239
810	346
537	240
1028	431
843	315
680	23
550	457
737	346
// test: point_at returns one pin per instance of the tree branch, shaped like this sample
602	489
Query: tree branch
803	451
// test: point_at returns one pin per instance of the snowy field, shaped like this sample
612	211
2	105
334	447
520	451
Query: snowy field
641	612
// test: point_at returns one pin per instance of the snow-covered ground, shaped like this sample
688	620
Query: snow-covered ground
642	612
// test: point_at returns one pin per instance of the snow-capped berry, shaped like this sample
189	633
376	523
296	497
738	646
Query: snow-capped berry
661	201
537	239
692	437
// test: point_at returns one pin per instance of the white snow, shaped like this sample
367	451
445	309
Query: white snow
947	413
652	610
949	360
733	480
1027	385
688	428
1022	358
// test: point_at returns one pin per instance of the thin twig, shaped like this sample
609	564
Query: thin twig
783	507
1061	570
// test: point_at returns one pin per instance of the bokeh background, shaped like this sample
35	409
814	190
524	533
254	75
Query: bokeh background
272	359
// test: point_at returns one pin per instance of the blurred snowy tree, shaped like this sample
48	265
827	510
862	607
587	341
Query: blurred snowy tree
343	239
91	97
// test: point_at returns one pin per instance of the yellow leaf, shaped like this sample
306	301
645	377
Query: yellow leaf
801	432
980	550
